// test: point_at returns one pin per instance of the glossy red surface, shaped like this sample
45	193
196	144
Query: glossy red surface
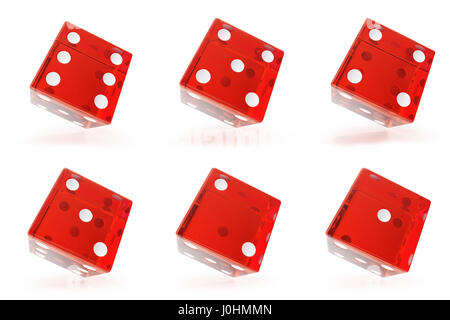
67	234
81	67
390	64
228	225
224	95
378	226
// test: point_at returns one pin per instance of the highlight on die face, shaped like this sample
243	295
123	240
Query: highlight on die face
231	76
81	78
228	226
383	76
378	225
80	225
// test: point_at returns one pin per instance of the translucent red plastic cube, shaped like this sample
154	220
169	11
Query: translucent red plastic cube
228	226
80	225
232	75
378	225
383	76
81	78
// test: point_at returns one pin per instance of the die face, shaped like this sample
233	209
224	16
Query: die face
208	106
232	75
211	259
81	78
383	76
228	225
378	225
80	222
361	259
62	259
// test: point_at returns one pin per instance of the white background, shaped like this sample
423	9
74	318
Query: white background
158	151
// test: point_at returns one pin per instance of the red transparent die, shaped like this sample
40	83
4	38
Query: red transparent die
228	225
383	76
232	75
80	225
81	78
378	225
